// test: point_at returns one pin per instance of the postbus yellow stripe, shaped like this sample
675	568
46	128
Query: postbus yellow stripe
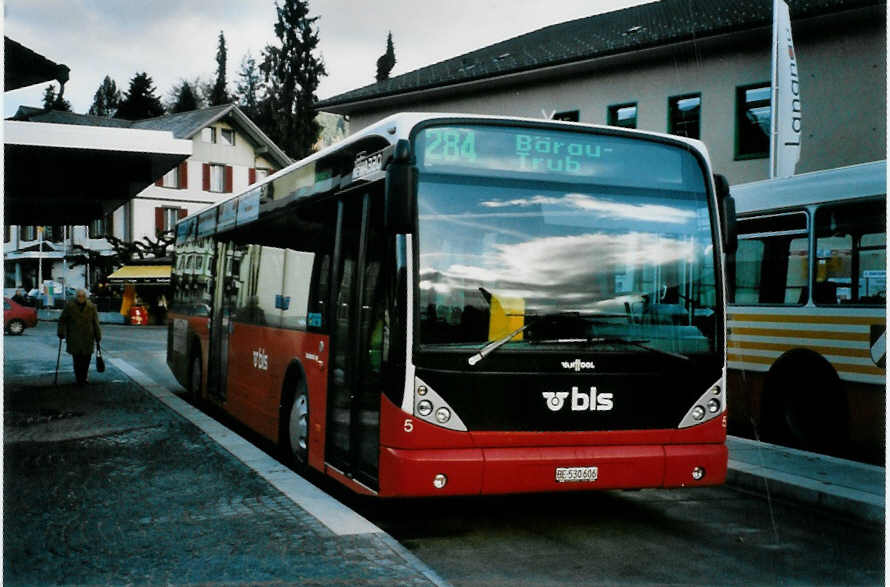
862	336
808	319
841	368
863	353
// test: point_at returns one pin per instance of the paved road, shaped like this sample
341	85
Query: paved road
104	484
700	536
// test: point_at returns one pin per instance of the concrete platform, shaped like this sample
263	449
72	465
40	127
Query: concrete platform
851	489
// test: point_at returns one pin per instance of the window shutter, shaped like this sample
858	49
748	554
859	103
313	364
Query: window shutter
183	175
159	220
251	176
227	180
206	170
183	213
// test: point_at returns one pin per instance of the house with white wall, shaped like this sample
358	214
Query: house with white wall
229	153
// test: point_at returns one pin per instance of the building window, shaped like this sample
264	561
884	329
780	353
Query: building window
752	107
54	234
167	217
6	233
684	116
568	116
28	232
227	136
96	228
217	178
171	178
624	115
208	135
261	173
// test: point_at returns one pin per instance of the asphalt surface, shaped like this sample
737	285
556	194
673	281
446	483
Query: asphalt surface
104	484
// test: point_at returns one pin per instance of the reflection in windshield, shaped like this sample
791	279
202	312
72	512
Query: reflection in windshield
636	265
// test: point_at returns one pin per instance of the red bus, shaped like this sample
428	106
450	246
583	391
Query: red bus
458	304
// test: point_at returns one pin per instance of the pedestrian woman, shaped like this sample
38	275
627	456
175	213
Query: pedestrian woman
79	325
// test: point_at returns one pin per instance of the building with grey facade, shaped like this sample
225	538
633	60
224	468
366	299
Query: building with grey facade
699	68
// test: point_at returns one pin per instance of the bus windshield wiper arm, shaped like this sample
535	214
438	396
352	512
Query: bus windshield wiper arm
637	343
496	344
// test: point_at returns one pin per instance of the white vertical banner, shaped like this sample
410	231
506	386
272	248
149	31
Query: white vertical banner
785	119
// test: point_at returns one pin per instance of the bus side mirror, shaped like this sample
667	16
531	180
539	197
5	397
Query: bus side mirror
401	190
726	211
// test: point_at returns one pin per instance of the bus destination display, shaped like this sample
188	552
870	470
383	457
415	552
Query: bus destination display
511	150
474	149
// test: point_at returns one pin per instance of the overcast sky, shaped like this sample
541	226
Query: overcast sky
172	40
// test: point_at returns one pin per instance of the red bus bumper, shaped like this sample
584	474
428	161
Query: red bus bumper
469	471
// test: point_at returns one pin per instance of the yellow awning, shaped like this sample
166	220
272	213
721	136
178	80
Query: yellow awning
141	274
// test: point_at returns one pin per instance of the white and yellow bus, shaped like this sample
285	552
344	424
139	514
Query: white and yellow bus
807	316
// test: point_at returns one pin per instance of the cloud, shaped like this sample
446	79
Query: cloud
606	208
578	269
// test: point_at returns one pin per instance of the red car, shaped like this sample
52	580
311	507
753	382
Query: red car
17	317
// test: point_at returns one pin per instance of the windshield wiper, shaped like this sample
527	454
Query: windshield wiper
637	343
534	319
496	344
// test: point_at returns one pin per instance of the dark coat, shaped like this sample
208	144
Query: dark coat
80	327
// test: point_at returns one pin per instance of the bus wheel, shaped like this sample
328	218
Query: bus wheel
298	426
804	405
194	390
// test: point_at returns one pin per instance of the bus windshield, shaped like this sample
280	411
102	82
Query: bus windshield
565	239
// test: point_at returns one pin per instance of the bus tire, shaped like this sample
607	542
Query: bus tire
295	441
195	377
804	405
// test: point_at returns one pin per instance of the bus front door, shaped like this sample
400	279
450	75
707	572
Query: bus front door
355	382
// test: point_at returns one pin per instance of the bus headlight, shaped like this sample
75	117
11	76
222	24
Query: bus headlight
708	406
424	407
432	407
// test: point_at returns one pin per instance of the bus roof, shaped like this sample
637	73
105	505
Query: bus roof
387	132
841	183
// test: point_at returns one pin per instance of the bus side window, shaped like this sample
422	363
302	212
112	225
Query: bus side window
851	241
771	263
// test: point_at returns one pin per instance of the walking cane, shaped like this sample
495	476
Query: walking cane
58	358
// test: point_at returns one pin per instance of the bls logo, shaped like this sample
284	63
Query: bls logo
581	402
261	359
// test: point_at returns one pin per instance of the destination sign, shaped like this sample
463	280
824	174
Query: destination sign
487	149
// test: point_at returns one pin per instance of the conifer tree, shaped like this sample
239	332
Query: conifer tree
219	94
387	61
250	87
141	101
186	100
292	73
53	101
106	99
